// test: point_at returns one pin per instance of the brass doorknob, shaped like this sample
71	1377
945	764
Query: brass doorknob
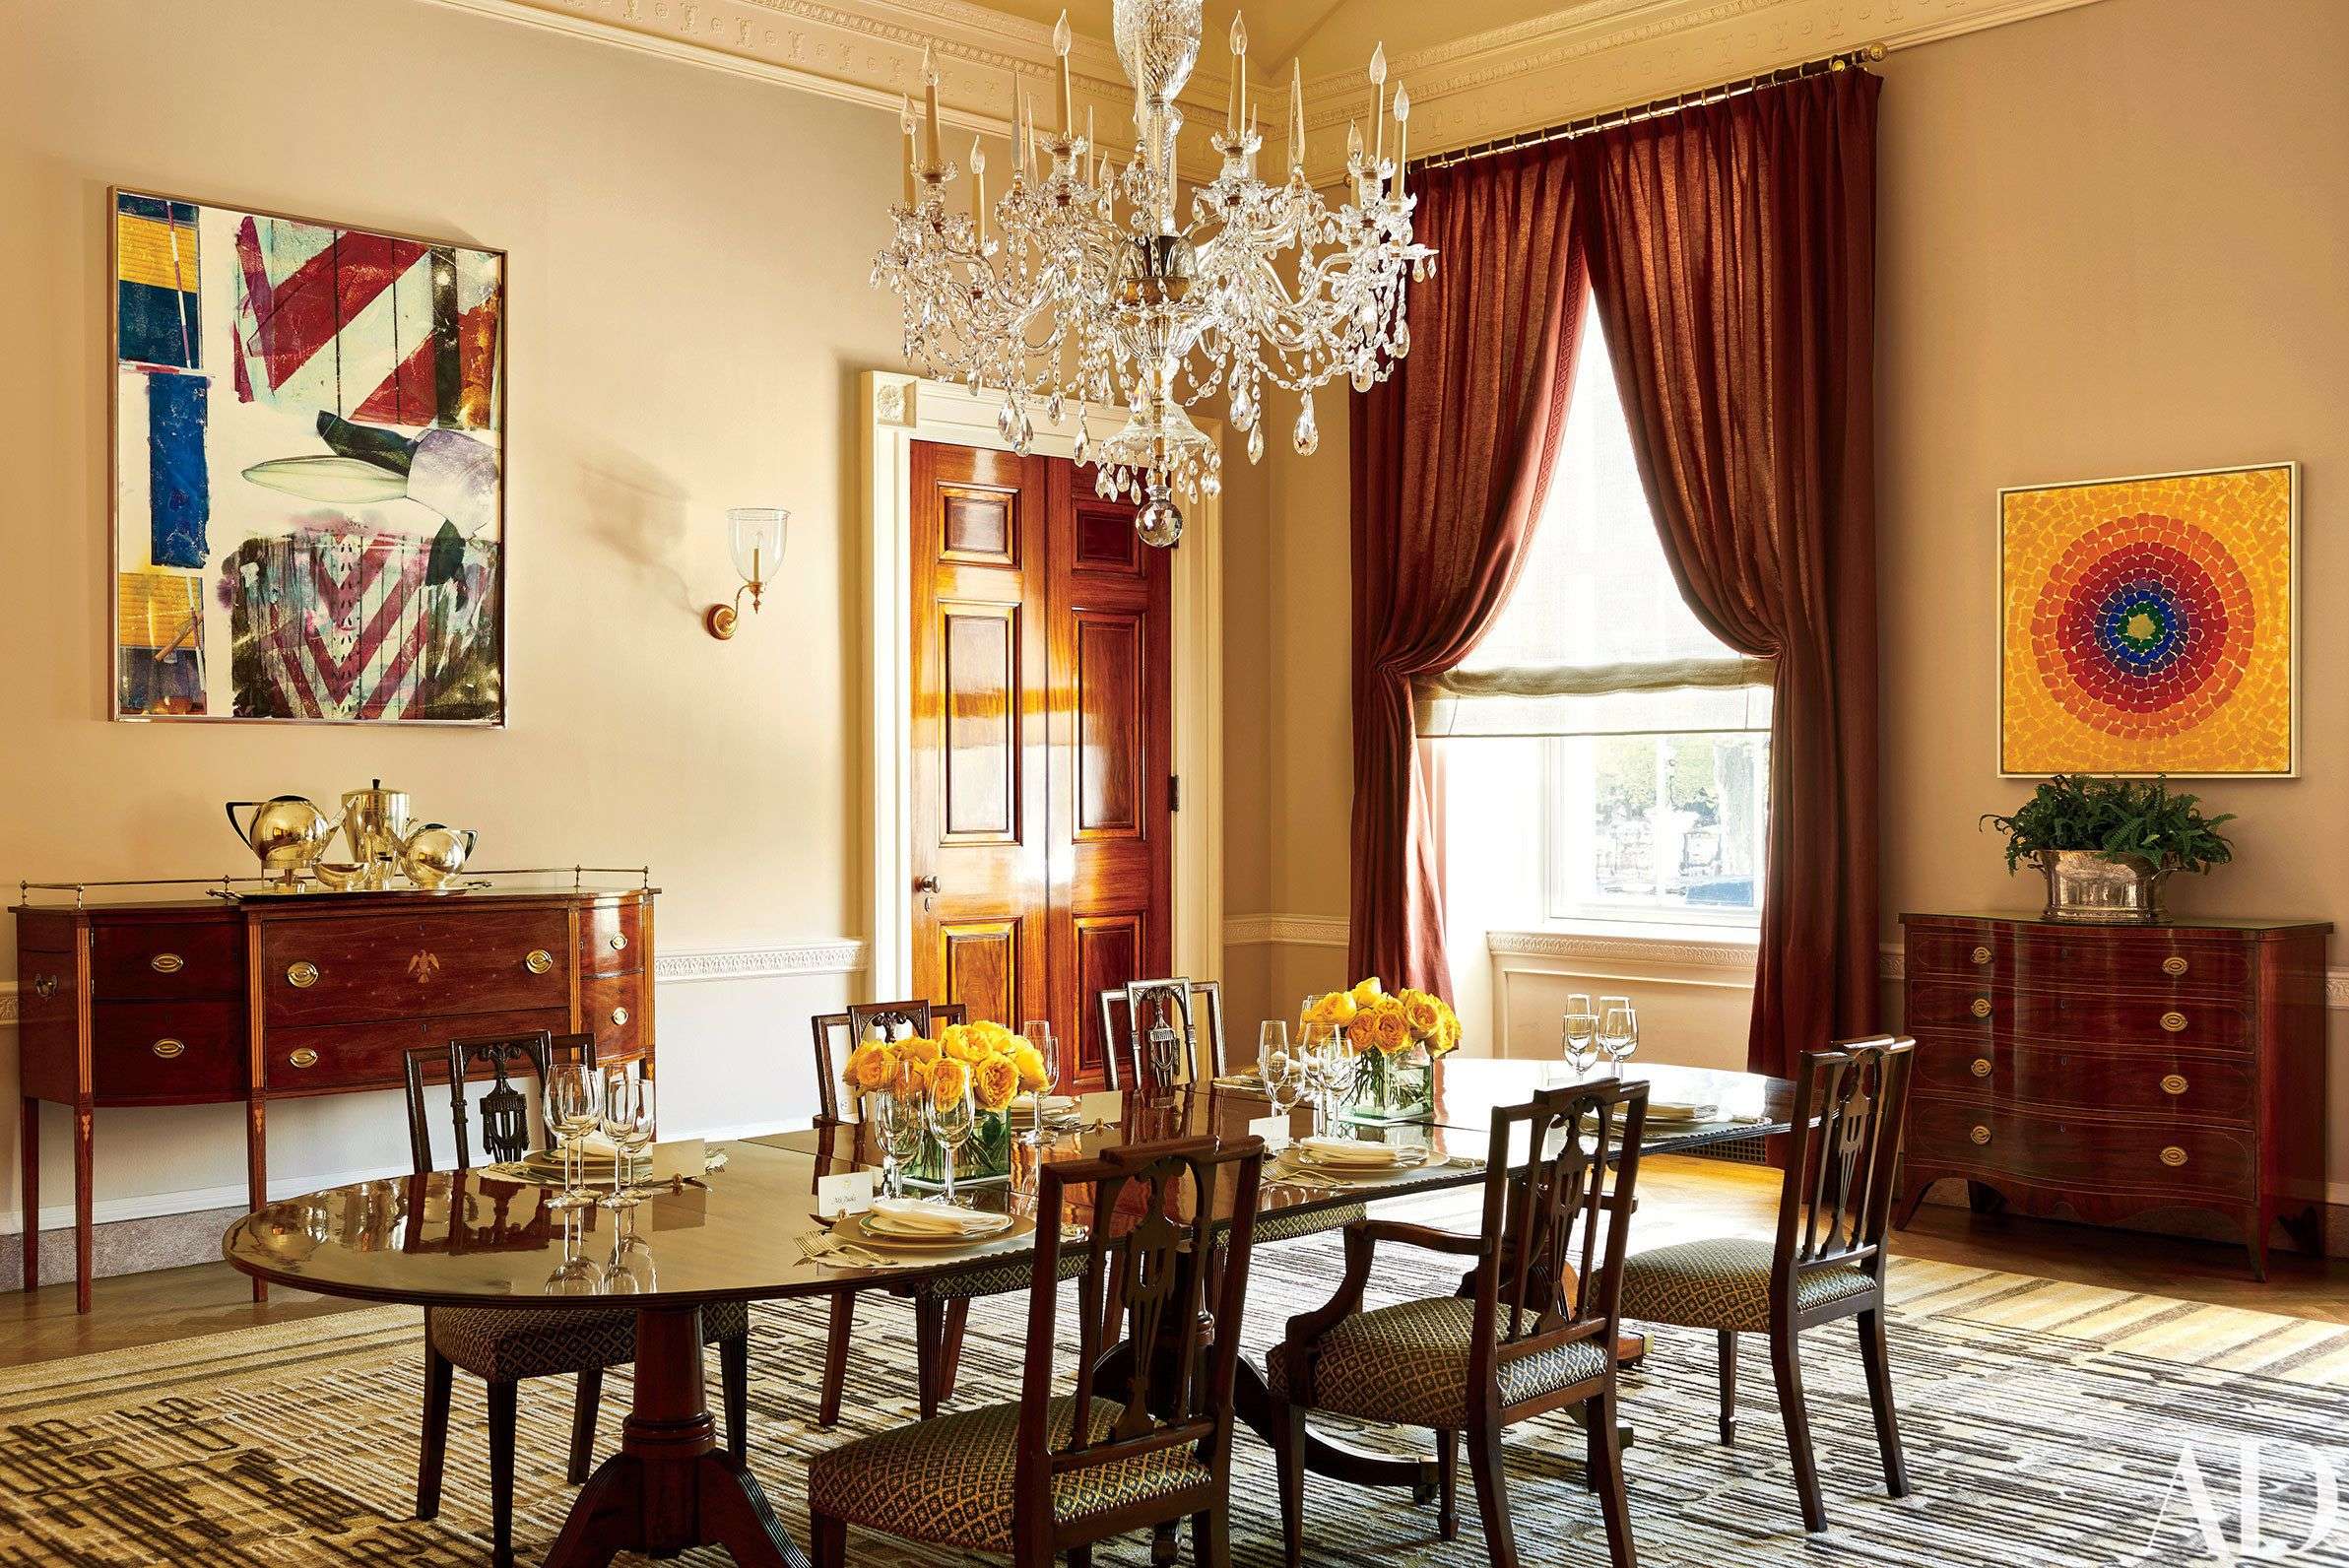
305	1057
538	960
1982	1067
167	1049
2173	966
301	974
44	986
2174	1084
167	963
1980	1135
2173	1022
1981	1006
925	885
2173	1156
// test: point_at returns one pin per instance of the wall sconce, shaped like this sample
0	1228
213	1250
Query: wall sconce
754	535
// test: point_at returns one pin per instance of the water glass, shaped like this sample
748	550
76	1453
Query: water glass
1341	1067
1038	1033
572	1102
1619	1030
951	1123
1272	1039
628	1123
896	1114
1580	1029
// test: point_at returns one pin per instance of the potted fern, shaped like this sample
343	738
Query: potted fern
2106	845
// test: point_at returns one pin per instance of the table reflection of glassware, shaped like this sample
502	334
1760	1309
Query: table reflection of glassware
1619	1030
630	1271
577	1275
896	1117
1038	1032
572	1099
1579	1031
951	1123
629	1112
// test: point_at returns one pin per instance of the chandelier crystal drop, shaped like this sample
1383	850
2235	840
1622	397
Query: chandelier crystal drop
1083	286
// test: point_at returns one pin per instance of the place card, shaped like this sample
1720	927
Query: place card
851	1194
1273	1130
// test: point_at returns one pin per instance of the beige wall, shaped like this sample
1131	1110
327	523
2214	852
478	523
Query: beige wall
2106	245
688	252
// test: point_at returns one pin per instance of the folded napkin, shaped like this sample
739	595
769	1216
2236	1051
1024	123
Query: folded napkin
919	1216
1349	1151
1054	1104
1683	1111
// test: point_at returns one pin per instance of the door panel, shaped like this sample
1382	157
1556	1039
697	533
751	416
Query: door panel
1041	744
978	731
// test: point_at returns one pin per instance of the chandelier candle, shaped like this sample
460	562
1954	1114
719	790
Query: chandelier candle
1093	284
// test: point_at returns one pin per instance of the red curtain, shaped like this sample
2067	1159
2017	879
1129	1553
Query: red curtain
1450	459
1733	255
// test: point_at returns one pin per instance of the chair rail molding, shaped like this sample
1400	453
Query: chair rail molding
1578	59
1296	931
900	410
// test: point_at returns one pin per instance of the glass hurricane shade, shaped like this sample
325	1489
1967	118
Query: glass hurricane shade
754	534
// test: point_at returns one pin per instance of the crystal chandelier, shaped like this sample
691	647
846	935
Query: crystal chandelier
1080	287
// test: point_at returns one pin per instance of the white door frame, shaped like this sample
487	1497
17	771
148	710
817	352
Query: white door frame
900	410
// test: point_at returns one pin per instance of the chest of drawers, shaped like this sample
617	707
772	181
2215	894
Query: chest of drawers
206	1001
2101	1073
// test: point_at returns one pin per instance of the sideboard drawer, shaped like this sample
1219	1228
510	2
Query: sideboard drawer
612	1009
2212	1087
2126	1023
162	1052
2151	961
1962	952
612	938
348	1056
163	960
356	967
2086	1154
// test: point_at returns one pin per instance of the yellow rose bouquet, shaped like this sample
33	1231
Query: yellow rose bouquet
1398	1034
984	1060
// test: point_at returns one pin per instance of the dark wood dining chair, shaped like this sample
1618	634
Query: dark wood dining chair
941	1307
1145	1448
1826	1262
503	1345
1150	1032
1533	1329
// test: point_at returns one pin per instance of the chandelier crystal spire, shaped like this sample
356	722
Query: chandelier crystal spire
1088	285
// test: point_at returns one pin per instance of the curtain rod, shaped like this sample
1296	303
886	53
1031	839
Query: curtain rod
1654	108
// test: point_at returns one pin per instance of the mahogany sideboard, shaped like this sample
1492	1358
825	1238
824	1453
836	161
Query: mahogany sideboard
208	1001
2105	1071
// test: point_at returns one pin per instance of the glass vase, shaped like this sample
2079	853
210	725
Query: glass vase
1394	1086
985	1157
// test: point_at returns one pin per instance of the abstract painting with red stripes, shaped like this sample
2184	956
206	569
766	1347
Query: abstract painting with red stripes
321	535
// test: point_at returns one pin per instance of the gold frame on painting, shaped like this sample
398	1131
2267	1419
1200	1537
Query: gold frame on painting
2291	632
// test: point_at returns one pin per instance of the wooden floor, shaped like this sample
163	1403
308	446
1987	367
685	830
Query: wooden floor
1679	1198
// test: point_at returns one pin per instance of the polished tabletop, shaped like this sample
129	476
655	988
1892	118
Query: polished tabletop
478	1238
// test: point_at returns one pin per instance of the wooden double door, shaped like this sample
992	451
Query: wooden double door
1041	766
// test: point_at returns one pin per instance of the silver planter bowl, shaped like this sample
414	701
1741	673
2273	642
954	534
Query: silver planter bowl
2085	886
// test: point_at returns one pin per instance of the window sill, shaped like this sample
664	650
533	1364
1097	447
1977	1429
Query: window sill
1686	946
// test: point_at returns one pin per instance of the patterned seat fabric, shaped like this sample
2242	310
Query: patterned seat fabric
995	1279
949	1481
1408	1364
1289	1225
503	1345
1723	1283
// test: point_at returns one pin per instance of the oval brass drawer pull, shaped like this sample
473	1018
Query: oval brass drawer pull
167	1049
2173	966
538	960
1981	1006
1982	1067
167	963
619	1016
2174	1084
619	941
2173	1156
1982	956
44	986
305	1057
301	974
1980	1135
2173	1022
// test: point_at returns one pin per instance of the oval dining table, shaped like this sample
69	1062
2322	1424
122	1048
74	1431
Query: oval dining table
482	1238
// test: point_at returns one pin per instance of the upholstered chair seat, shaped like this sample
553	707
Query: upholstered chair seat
949	1481
1409	1365
504	1346
1724	1282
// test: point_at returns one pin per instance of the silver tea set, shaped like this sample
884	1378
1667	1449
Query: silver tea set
292	837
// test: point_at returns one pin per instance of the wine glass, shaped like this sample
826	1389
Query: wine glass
951	1123
1282	1071
1271	1040
1038	1032
572	1102
1580	1029
1313	1053
1618	1031
628	1123
1342	1066
896	1116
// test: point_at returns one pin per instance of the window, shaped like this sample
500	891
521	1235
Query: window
1654	738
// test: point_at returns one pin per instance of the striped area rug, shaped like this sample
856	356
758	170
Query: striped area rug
2044	1424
